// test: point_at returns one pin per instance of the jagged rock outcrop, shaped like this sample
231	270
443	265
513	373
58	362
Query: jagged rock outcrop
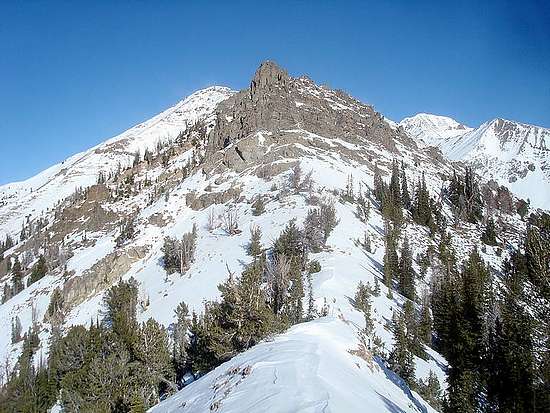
276	103
101	275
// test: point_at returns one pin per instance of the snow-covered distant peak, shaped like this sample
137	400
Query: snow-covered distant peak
512	153
430	129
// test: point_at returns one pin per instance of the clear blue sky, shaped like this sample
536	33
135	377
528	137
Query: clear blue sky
73	74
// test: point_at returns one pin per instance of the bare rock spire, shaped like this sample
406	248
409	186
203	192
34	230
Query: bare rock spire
268	76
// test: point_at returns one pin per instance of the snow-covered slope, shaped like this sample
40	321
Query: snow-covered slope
513	154
30	198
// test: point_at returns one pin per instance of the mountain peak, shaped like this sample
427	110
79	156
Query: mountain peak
267	75
431	129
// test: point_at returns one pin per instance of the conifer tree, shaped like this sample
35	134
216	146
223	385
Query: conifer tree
313	232
489	234
391	260
152	350
255	244
15	330
425	323
258	207
17	277
414	342
421	209
38	270
363	304
401	358
180	339
406	272
120	305
405	195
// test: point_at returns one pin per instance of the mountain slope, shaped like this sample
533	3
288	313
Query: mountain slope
30	198
246	147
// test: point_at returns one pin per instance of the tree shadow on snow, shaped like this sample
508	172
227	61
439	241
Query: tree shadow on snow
398	381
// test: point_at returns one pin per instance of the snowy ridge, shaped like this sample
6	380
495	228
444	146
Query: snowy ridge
513	154
30	198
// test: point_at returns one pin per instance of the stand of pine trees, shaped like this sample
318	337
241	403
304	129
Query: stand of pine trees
120	365
496	342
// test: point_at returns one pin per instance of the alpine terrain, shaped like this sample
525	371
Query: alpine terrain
511	153
283	248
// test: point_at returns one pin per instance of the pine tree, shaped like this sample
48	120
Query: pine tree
421	209
15	330
120	311
17	277
391	260
425	323
414	342
489	234
327	216
313	232
363	304
258	207
379	186
255	244
363	207
152	350
406	272
180	339
296	295
405	195
395	186
430	390
401	358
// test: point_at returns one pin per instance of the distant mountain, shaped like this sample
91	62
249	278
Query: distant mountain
431	130
513	154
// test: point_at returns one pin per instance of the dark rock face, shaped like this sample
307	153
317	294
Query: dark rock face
276	103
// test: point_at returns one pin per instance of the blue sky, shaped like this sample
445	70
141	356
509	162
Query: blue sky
73	74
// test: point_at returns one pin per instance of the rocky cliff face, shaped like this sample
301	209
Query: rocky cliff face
279	104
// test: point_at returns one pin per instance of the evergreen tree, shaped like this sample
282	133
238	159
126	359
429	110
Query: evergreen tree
180	339
425	324
153	352
401	358
406	272
255	244
414	342
313	233
120	311
405	195
489	234
430	390
363	304
465	196
327	215
258	207
391	260
16	330
421	208
17	277
38	270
